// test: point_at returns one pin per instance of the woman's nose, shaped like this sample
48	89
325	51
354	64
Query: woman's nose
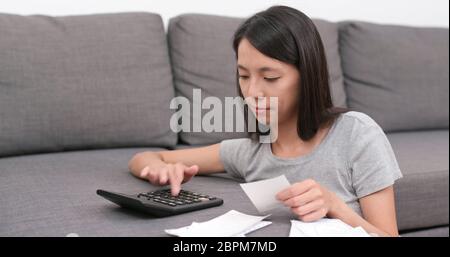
254	89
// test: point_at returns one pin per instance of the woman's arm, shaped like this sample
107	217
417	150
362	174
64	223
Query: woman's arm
378	210
206	158
177	166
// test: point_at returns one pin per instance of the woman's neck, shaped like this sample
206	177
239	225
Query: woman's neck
289	144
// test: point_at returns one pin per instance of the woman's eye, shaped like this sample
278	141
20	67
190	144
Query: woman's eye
271	79
243	77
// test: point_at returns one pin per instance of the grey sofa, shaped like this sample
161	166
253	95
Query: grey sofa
80	95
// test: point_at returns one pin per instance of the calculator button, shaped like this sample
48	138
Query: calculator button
165	197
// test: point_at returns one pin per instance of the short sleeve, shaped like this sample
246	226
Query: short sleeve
234	156
372	161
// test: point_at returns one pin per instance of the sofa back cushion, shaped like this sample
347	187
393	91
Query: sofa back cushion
202	57
81	82
398	75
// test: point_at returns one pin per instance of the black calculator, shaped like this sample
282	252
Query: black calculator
161	203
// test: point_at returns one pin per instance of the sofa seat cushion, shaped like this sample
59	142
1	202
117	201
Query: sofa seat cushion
430	232
422	195
55	195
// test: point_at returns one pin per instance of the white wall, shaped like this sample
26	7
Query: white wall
404	12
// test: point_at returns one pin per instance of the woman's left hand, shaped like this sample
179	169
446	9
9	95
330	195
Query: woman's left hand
309	200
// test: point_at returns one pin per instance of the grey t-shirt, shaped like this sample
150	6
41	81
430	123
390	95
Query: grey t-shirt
354	159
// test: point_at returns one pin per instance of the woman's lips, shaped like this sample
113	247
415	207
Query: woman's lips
261	110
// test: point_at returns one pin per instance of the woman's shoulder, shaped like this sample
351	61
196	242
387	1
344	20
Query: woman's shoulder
353	124
358	126
245	144
358	119
236	154
245	149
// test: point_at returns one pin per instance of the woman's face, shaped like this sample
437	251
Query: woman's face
262	76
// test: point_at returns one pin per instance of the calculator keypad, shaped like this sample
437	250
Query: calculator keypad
184	197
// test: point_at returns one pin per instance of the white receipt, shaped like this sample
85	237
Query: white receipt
325	228
232	223
263	193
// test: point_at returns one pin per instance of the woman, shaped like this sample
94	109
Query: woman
341	163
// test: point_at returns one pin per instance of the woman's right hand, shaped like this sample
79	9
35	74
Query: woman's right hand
175	167
167	173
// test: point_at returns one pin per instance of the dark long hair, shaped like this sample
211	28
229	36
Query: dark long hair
288	35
